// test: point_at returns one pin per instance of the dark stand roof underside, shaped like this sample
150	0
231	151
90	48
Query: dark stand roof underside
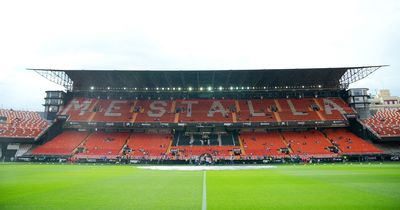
327	77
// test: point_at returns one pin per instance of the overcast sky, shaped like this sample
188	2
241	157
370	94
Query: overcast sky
192	35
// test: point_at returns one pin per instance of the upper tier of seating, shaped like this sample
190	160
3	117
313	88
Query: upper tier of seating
385	122
21	124
201	110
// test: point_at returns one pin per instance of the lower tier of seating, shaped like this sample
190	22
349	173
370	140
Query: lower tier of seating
143	145
308	143
102	144
303	144
63	144
348	143
264	143
186	152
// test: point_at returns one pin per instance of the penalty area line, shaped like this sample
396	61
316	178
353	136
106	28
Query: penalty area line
204	202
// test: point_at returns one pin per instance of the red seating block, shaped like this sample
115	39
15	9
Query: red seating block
63	144
21	124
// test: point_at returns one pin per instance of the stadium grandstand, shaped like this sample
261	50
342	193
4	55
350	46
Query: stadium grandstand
19	130
166	116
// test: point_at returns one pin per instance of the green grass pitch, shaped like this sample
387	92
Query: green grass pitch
44	187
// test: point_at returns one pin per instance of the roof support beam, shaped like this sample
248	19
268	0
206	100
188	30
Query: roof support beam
355	74
228	77
183	80
212	79
167	79
57	77
198	79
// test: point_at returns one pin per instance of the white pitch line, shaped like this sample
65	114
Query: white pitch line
204	203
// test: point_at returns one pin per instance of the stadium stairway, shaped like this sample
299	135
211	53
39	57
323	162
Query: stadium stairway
23	149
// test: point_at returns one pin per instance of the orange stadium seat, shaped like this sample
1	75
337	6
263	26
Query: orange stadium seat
308	144
263	143
262	107
101	144
148	145
63	144
21	124
385	122
202	110
348	143
186	152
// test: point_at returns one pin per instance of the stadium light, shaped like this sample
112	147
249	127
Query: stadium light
248	88
231	88
220	88
319	86
173	88
108	88
209	88
146	88
179	88
156	88
92	88
124	88
201	88
190	88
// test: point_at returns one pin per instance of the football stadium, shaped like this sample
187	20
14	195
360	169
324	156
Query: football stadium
202	139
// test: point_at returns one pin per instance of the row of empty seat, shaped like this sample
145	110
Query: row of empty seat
142	145
105	144
186	152
263	143
21	124
312	143
328	143
63	144
201	110
385	122
349	143
100	144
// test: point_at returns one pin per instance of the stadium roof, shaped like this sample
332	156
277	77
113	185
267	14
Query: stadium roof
339	77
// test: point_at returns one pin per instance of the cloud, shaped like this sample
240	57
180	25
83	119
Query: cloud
192	35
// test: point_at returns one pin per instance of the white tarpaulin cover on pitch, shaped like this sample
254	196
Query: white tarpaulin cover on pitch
207	168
